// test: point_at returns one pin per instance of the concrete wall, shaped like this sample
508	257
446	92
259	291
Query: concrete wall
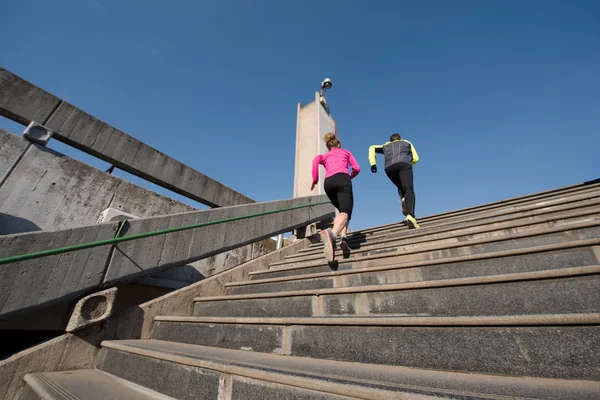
24	102
313	123
38	283
49	191
52	191
79	350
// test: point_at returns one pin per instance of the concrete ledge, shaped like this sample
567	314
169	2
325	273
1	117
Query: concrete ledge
40	282
24	102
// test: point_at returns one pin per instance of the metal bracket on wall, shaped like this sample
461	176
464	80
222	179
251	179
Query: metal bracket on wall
37	133
34	133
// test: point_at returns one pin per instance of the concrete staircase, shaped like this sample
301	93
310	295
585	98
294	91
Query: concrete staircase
491	302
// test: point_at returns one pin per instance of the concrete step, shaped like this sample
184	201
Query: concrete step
562	290
85	385
504	204
359	237
546	346
562	255
449	235
559	198
252	376
517	201
558	234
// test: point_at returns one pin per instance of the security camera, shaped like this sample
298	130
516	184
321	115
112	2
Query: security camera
326	84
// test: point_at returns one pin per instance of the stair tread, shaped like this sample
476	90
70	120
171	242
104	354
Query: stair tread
474	280
405	265
88	385
397	227
421	235
398	250
402	320
328	375
475	233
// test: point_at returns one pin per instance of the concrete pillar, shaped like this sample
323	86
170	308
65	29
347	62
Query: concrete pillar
312	124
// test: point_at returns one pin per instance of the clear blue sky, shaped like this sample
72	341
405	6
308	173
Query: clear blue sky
501	98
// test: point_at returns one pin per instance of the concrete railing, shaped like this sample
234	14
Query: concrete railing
23	102
58	277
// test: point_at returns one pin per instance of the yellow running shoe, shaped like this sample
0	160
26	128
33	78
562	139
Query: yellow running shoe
412	222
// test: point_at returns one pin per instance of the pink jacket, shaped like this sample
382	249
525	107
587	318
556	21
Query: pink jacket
335	161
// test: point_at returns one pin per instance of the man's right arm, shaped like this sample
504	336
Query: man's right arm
373	150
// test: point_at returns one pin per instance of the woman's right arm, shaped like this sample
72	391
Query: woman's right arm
315	168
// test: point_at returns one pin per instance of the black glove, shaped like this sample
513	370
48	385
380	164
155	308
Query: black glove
373	168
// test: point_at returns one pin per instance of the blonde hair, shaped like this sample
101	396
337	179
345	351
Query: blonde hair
332	141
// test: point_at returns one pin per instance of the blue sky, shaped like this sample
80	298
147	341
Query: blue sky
500	98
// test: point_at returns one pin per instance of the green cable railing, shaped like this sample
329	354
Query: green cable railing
89	245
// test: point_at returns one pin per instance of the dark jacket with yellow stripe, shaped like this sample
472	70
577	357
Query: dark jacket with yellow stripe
398	151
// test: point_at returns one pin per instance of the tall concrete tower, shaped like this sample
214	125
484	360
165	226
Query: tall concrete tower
313	122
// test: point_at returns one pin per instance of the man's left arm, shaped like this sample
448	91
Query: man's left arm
413	153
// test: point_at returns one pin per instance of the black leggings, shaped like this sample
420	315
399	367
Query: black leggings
401	174
338	188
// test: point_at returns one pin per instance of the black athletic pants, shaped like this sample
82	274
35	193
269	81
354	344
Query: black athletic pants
338	188
401	175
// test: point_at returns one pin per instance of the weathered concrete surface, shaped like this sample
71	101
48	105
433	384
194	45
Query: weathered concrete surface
558	235
44	281
92	309
365	381
55	192
254	389
175	380
565	352
77	351
24	102
88	385
312	124
264	339
206	267
33	283
10	148
580	211
494	264
189	382
44	178
561	296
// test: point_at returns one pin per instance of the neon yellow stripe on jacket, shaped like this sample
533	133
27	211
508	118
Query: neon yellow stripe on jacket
372	155
414	154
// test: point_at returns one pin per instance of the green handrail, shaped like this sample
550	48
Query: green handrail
89	245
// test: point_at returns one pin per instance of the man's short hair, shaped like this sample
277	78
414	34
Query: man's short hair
395	136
